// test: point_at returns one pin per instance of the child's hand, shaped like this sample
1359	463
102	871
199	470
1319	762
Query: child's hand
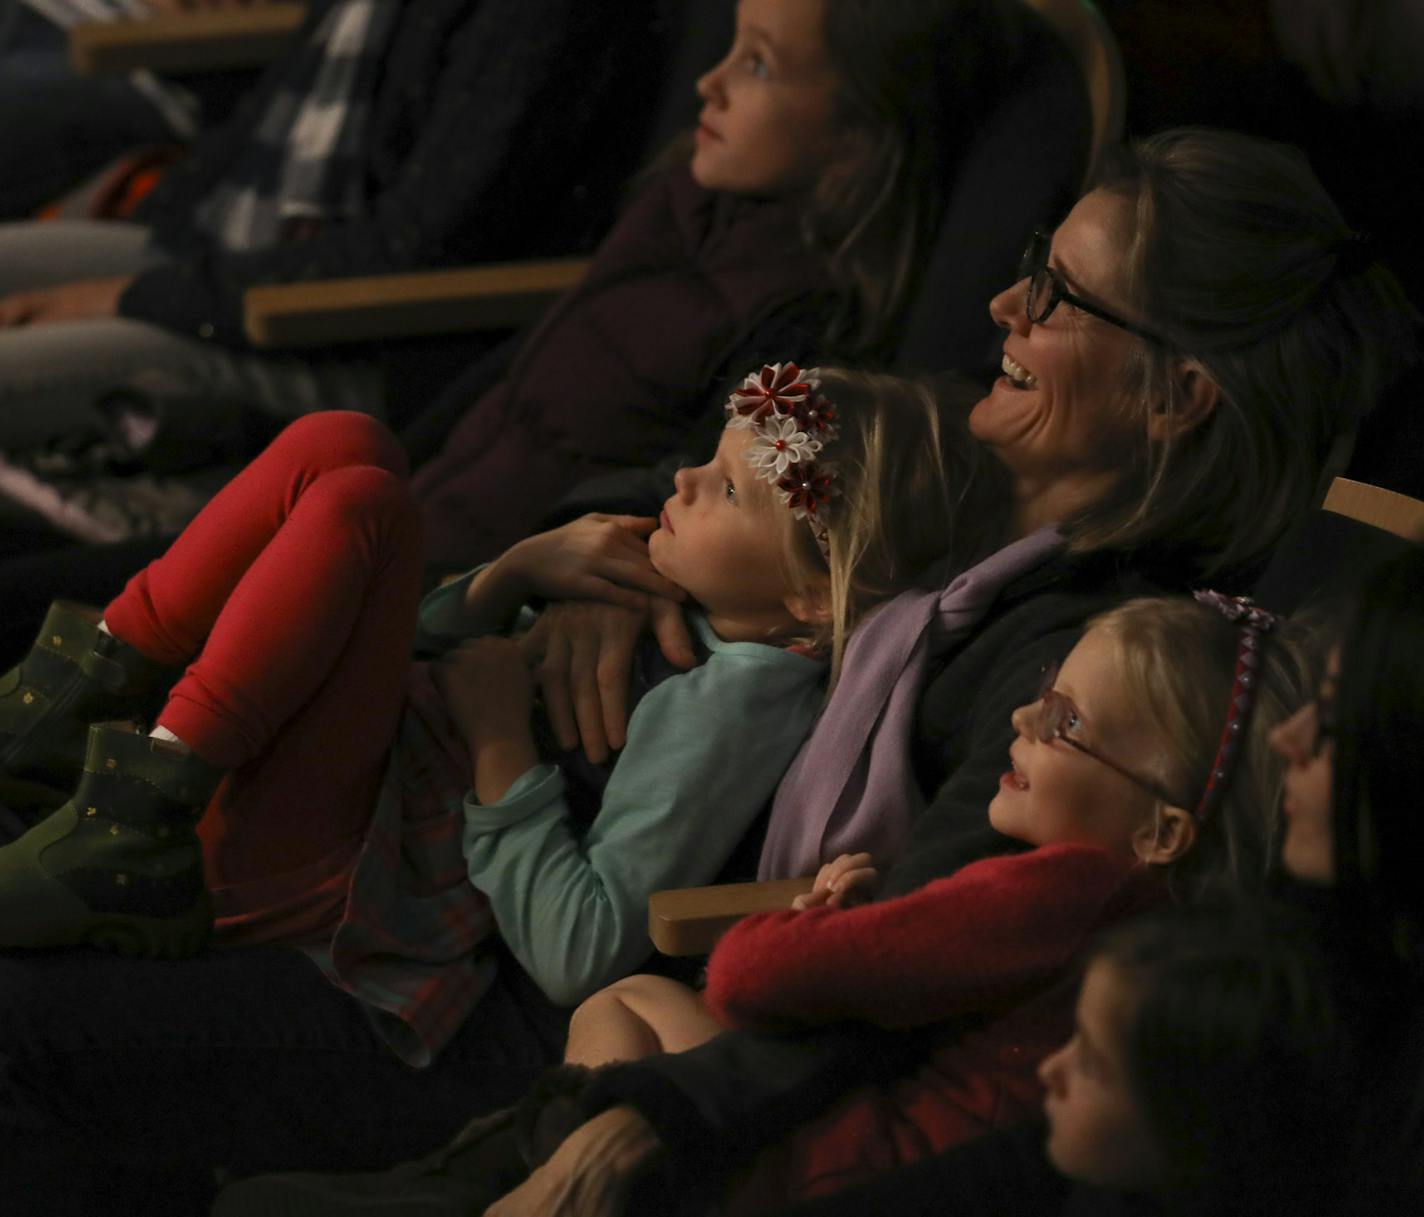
490	693
487	688
848	880
596	557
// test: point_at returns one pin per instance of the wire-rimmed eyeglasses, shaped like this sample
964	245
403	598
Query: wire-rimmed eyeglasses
1057	713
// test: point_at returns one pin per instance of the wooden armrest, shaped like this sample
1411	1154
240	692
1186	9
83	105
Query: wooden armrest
199	41
499	296
689	920
1377	507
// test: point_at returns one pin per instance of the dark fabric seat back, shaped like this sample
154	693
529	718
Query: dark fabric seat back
1023	171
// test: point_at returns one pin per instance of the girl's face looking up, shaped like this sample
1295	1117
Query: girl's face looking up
1054	792
721	538
768	123
1097	1132
1305	741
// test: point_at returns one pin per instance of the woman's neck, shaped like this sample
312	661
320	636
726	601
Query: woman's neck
1053	500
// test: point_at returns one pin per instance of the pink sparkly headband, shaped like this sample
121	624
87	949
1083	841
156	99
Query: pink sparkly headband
791	423
1255	623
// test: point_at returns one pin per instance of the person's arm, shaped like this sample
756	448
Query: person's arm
594	557
467	182
976	942
591	1174
704	753
716	1106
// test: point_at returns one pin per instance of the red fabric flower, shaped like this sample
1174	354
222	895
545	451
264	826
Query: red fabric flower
807	488
777	387
817	416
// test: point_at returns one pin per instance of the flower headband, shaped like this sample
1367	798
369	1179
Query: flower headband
790	423
1255	623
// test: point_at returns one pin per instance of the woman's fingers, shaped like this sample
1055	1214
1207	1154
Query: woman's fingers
584	649
670	629
584	654
552	647
611	674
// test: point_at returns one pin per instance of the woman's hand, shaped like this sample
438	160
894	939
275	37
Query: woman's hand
596	557
590	1174
850	879
582	655
82	300
489	692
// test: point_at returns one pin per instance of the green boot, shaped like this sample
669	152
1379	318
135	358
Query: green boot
119	865
74	675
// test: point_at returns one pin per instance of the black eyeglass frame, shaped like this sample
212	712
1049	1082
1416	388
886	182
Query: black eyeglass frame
1055	708
1034	267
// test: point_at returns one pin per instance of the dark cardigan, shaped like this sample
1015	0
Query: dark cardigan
619	372
480	109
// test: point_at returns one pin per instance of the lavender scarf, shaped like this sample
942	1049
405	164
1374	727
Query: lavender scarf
851	787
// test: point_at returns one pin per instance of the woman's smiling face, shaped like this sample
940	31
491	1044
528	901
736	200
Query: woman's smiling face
1056	411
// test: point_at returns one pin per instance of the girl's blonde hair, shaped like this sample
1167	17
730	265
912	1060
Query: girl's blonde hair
912	503
1178	665
914	80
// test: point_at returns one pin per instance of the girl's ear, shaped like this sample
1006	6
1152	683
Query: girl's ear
1170	835
811	606
1196	395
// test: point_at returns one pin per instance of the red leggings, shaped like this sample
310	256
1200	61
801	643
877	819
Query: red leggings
294	595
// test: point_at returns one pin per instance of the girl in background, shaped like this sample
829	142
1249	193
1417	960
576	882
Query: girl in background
1354	841
829	136
1209	1074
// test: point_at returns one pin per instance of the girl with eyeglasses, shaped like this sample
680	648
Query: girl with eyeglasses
1250	1062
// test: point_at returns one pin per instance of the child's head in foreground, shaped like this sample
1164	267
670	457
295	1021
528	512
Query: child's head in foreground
1207	1067
830	491
1151	738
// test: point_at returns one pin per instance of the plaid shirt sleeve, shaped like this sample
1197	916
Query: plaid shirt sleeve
523	85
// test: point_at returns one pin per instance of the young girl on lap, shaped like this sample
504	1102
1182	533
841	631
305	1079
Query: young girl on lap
327	783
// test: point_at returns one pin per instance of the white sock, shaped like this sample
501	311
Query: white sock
166	735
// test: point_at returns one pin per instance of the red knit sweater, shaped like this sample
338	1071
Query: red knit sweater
993	953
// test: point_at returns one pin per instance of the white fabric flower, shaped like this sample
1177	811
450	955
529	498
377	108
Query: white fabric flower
780	443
